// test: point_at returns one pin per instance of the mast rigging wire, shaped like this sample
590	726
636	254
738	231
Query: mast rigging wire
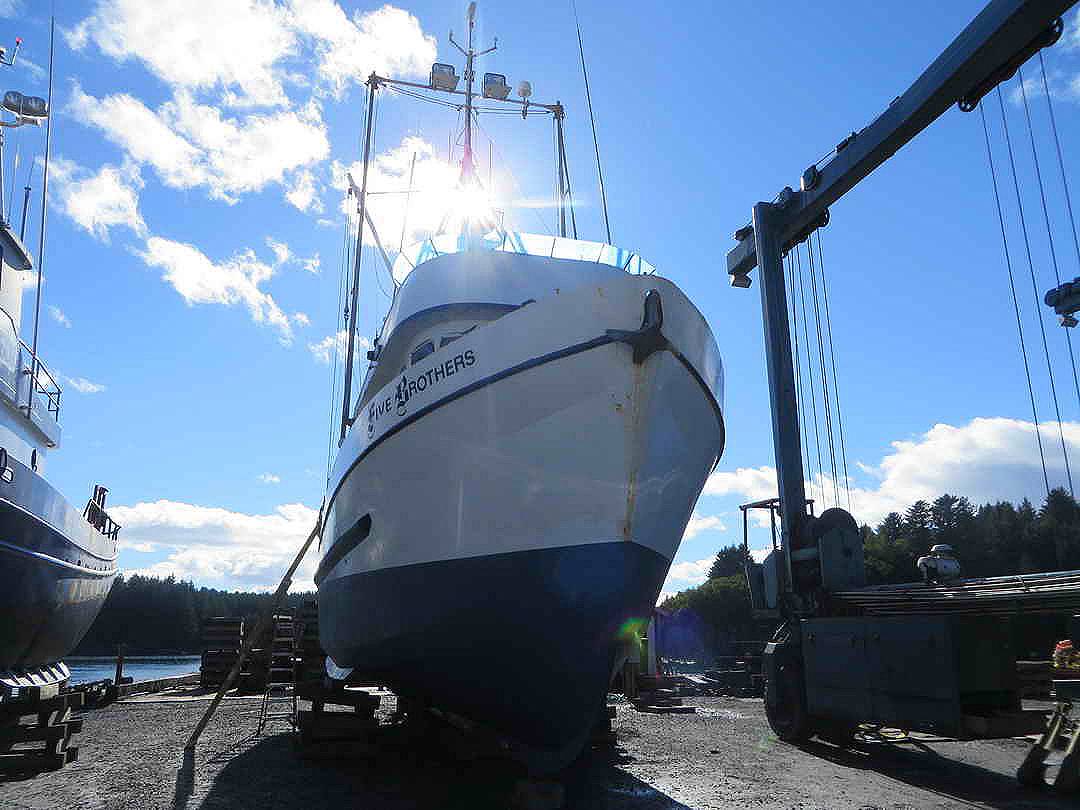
346	237
1034	287
592	120
1015	300
1046	219
836	383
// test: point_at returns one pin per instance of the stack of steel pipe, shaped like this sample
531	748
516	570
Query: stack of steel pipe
1054	592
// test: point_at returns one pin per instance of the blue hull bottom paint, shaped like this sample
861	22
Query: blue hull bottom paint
52	582
523	642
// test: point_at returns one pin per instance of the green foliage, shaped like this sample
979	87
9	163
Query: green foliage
729	562
723	603
163	616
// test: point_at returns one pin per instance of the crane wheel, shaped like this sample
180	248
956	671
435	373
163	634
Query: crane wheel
785	705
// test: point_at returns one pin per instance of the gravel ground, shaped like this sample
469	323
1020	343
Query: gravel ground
721	757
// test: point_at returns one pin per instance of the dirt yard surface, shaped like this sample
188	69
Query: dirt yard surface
722	757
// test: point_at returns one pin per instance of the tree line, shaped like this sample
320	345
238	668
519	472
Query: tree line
994	539
153	616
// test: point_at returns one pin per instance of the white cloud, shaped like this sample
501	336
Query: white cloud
247	51
142	548
324	349
312	265
10	8
58	315
269	478
755	484
703	523
301	319
192	145
98	202
84	386
281	250
988	459
235	280
690	573
388	40
215	546
304	192
228	45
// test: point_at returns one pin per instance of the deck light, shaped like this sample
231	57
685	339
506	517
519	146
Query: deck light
443	77
495	86
25	106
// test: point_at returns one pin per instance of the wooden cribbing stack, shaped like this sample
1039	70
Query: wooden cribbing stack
245	649
222	637
311	665
36	730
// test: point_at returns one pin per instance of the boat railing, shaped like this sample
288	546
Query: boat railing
97	517
26	381
528	244
45	383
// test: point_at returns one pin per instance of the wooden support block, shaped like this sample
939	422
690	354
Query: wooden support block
335	725
21	734
1005	724
338	749
667	709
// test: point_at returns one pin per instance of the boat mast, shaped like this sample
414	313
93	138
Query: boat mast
354	292
468	169
41	231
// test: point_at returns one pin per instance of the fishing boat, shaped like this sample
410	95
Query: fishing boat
537	421
57	563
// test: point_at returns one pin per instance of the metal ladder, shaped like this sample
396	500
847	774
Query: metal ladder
281	677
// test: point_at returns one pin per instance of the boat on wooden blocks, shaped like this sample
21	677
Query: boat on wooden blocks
537	420
531	441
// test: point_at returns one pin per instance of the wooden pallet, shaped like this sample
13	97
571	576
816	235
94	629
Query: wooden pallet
35	733
336	734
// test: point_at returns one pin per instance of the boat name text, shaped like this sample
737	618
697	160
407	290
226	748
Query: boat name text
408	386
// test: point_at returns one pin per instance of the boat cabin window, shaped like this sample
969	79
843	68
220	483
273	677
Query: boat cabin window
421	351
448	339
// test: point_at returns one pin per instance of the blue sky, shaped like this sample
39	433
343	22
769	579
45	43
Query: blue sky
188	136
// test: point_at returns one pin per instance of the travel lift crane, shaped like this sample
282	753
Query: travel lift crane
830	668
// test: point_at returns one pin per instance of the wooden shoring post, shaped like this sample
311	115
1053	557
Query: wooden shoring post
260	628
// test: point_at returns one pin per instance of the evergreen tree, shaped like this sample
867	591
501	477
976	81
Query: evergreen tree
891	528
729	562
917	523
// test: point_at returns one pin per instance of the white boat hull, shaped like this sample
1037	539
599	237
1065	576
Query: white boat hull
493	532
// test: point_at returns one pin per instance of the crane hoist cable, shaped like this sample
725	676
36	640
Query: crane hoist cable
1015	300
1034	286
1049	230
836	383
827	407
1064	185
810	370
800	407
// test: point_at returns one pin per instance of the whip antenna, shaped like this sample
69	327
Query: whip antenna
592	120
